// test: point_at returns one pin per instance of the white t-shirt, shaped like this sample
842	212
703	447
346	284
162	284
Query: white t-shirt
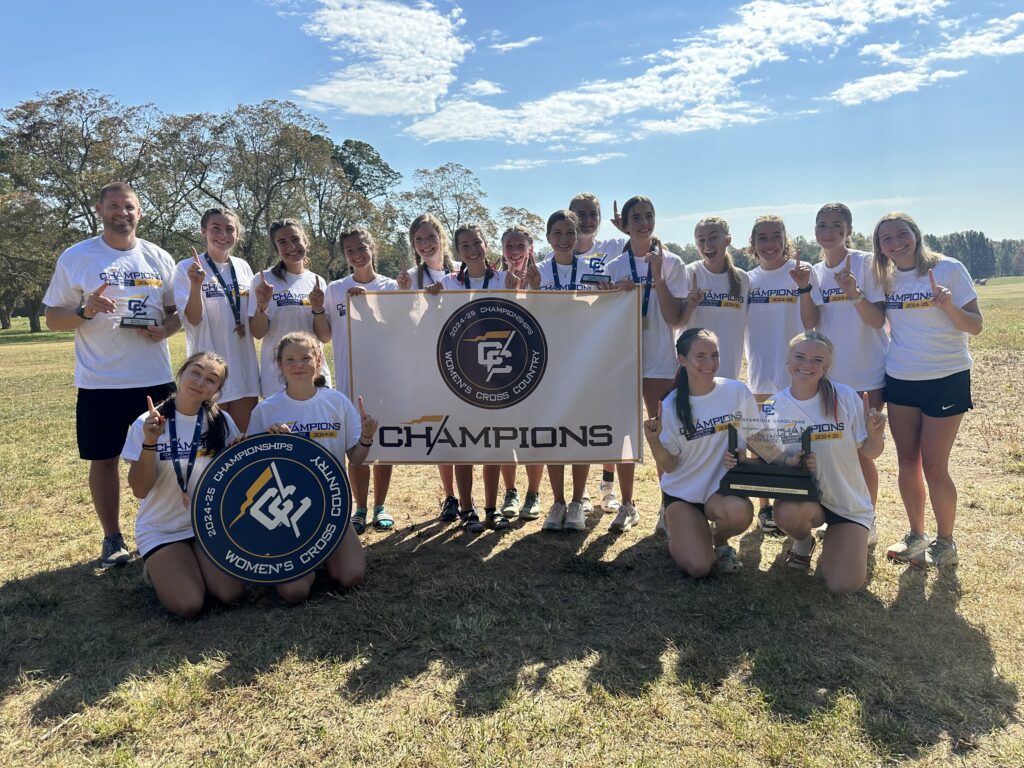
569	275
336	304
139	280
773	318
834	442
495	283
288	311
328	417
925	343
658	338
860	349
430	276
700	467
722	313
163	516
602	253
216	331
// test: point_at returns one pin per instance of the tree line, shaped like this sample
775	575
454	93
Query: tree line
266	161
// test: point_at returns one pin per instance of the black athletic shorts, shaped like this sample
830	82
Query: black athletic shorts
948	396
833	519
666	500
103	417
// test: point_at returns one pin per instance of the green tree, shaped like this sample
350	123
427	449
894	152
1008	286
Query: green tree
451	192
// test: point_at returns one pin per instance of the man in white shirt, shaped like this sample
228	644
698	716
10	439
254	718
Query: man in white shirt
116	293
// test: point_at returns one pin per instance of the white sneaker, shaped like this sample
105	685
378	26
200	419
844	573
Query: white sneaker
575	519
626	519
608	501
555	520
586	504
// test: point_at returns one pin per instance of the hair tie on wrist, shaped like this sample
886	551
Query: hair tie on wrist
148	447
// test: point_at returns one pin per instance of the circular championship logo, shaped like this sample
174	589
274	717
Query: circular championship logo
271	508
492	353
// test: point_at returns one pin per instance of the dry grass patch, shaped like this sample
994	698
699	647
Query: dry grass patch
518	648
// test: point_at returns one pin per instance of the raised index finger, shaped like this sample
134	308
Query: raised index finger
99	291
693	280
263	277
846	266
931	277
362	408
195	255
867	403
152	408
659	409
318	282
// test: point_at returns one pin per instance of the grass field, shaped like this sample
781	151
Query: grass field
515	648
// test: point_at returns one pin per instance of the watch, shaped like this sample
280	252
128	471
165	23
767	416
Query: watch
80	311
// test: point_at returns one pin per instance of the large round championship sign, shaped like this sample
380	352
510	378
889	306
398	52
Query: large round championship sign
271	508
492	353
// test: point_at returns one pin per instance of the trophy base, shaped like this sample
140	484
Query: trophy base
769	481
138	322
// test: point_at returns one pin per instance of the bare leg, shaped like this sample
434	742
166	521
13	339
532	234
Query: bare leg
556	476
627	474
579	481
730	514
223	587
844	557
937	436
359	474
491	472
534	473
508	476
381	483
177	579
347	564
105	487
464	479
447	473
296	591
905	425
689	539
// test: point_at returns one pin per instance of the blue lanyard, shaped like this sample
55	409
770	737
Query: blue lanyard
572	278
233	296
193	451
636	279
426	271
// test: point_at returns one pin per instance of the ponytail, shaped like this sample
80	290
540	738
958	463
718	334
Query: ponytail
735	283
684	411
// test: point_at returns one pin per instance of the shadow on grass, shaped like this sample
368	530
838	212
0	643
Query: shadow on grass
503	620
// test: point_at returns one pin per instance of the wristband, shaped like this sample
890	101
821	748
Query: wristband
366	445
81	313
322	311
148	447
805	289
260	309
858	299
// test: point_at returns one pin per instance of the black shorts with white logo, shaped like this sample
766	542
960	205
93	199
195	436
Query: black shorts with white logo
103	417
948	396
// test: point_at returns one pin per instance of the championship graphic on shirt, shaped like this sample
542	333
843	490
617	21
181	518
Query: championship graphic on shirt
908	300
289	299
714	298
773	296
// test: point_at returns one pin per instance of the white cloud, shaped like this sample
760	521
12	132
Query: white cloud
786	209
482	88
402	59
887	85
694	85
515	45
526	165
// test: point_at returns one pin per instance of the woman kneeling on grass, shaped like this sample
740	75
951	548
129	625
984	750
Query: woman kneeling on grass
306	399
691	450
845	428
168	448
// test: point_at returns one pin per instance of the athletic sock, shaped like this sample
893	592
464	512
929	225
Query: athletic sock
803	548
607	477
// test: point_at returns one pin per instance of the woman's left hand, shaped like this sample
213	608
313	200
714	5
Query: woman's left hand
942	297
279	429
874	419
316	297
367	424
356	290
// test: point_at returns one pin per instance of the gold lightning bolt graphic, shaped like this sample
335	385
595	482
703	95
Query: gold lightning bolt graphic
491	335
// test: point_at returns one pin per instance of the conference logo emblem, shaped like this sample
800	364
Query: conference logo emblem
271	508
492	353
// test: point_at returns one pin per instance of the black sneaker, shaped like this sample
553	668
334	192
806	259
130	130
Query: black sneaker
114	552
766	522
450	510
471	521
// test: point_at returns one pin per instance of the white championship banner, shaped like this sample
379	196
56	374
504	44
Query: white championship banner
548	377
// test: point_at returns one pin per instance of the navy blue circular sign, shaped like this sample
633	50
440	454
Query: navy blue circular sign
271	508
492	353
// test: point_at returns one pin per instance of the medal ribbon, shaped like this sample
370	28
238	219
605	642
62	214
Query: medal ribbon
572	278
193	451
233	296
636	279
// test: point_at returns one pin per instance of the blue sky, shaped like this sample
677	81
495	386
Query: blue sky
722	107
